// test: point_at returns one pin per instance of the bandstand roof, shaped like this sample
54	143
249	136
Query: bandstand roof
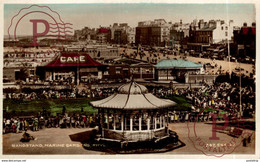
177	64
133	96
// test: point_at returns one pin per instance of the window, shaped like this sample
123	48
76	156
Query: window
226	33
31	72
222	28
118	70
226	28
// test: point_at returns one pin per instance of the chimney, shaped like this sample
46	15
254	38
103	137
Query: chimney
218	23
201	24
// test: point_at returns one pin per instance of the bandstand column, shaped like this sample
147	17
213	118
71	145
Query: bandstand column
114	116
141	73
131	123
148	121
168	132
155	121
163	119
122	121
140	121
160	120
102	122
107	119
153	73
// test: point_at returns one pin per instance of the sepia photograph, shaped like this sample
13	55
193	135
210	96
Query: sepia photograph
129	79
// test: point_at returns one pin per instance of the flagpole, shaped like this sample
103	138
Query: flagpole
78	70
229	59
240	90
228	23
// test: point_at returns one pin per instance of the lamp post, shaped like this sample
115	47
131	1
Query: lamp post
78	70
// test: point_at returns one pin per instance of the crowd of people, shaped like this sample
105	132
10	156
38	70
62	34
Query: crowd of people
24	123
223	96
220	97
64	94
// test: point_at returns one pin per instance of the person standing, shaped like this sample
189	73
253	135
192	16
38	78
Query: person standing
4	126
13	127
26	125
8	123
21	126
73	121
90	121
34	125
18	126
41	122
63	110
68	121
85	120
57	122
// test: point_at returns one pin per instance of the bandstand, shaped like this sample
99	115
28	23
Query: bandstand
133	114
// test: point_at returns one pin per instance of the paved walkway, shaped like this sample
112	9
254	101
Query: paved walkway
57	141
49	141
204	131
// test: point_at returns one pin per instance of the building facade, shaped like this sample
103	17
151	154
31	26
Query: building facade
95	51
245	41
178	32
202	34
85	34
122	34
223	31
200	38
153	33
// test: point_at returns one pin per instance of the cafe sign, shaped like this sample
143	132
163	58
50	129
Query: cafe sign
69	59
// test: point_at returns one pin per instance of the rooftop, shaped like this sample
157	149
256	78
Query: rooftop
178	64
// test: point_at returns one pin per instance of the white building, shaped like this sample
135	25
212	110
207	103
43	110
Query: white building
130	35
223	31
181	27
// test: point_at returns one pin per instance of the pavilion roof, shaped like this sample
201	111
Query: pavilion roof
132	96
177	64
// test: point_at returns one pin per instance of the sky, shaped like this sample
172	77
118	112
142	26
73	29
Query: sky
94	15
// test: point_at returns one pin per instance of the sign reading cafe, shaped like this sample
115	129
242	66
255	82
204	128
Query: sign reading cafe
70	59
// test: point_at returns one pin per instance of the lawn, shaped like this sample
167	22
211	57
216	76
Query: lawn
54	106
182	103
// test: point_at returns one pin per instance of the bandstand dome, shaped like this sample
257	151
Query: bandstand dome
133	96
